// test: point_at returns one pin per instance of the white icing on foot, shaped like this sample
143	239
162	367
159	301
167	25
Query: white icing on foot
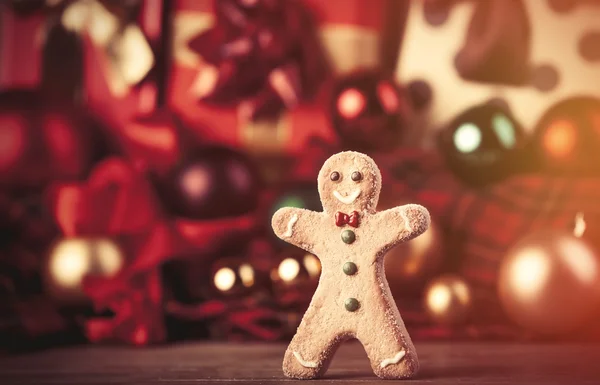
347	199
290	226
406	221
392	361
306	364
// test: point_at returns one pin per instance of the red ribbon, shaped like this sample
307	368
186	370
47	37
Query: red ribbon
342	219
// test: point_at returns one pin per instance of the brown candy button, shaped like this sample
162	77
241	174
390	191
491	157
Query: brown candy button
348	236
351	304
350	268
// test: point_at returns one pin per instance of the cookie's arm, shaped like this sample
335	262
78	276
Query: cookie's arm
297	226
402	223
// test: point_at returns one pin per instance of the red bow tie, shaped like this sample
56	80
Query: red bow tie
342	219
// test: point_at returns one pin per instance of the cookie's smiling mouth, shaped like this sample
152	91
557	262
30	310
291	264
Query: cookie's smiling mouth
348	199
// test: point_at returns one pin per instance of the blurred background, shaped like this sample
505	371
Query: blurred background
145	144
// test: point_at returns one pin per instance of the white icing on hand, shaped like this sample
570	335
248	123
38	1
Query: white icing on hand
306	364
349	199
290	226
392	361
406	221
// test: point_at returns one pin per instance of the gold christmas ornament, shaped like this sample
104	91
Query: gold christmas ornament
448	300
72	259
549	283
298	266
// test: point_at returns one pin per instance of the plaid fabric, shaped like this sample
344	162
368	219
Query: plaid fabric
492	219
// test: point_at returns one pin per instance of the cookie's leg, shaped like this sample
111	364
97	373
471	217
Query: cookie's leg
389	348
309	354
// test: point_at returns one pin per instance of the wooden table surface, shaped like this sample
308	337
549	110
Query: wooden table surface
202	363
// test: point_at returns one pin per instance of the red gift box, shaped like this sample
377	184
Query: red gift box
350	34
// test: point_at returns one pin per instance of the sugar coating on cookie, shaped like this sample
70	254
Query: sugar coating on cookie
353	299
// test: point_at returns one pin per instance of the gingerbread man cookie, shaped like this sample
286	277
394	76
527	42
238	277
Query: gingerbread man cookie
353	299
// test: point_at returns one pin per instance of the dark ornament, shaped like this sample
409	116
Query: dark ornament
212	182
368	111
483	145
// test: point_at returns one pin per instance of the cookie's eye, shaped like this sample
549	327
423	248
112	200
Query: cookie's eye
335	176
356	176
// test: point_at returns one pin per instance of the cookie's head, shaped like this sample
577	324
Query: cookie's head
349	181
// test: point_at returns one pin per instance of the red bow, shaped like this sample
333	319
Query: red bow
342	219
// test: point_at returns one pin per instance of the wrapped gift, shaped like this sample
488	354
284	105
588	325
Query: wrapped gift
349	34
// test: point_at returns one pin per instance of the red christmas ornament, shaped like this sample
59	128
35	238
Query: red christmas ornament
368	111
567	138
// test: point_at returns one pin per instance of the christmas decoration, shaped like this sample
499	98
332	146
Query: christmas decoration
41	142
263	54
73	259
549	282
212	182
233	277
238	305
295	279
476	244
448	300
137	306
483	145
117	202
567	138
368	111
351	40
